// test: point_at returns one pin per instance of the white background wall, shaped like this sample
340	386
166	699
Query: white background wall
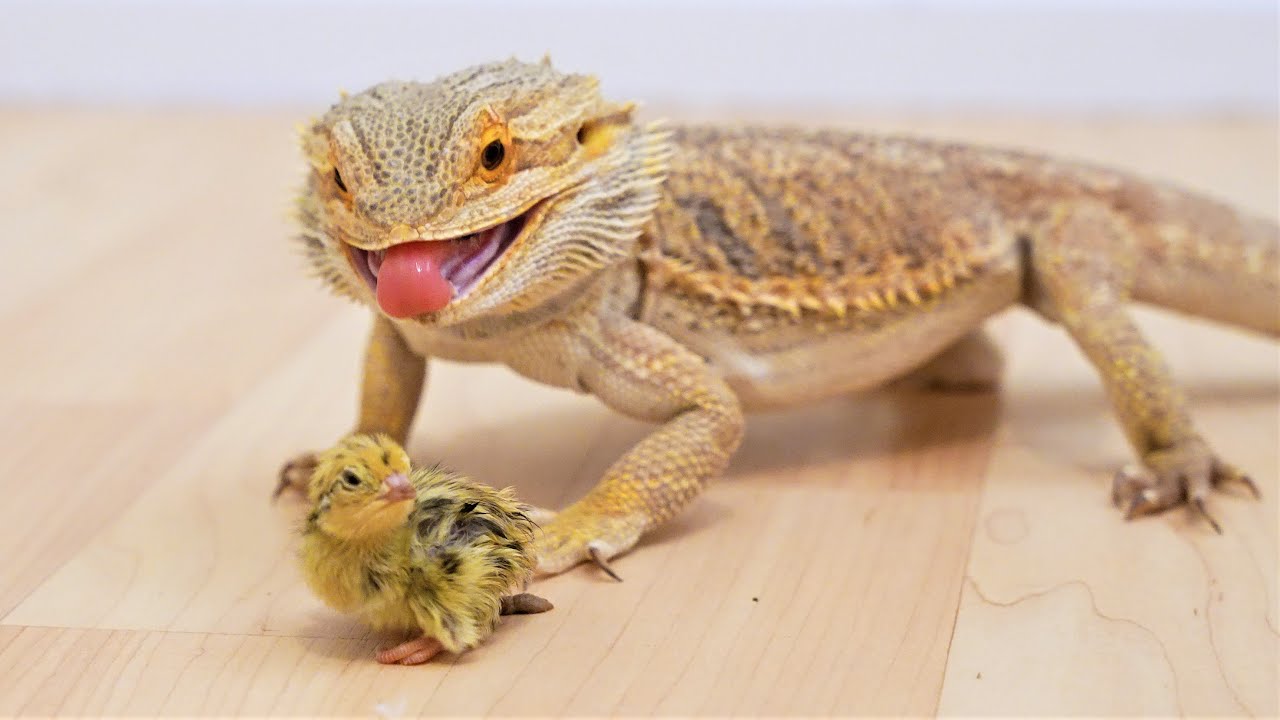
1046	55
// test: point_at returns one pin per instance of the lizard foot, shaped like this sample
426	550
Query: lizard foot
577	535
295	475
413	652
1185	473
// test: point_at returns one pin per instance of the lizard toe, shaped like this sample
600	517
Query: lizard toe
1185	474
295	474
575	536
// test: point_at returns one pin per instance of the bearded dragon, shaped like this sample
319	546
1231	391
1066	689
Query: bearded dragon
687	275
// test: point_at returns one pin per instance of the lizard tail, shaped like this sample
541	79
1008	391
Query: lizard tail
1207	259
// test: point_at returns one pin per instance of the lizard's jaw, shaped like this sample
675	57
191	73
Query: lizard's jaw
420	277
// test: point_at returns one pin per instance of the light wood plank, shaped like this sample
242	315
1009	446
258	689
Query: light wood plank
1068	610
58	498
135	273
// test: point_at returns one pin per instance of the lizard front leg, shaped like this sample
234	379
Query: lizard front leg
1081	263
389	394
643	373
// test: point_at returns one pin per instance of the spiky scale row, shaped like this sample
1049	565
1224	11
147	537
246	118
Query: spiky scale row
813	295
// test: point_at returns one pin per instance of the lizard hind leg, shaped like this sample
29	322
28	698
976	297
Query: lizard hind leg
1079	266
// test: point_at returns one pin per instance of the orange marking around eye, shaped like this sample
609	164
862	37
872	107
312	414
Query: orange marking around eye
495	129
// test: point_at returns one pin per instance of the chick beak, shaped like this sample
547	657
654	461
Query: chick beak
397	488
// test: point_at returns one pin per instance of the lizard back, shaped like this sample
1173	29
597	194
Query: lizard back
825	225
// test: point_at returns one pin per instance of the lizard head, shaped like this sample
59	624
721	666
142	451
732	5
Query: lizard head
492	190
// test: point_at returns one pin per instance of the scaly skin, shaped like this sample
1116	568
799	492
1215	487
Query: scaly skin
687	276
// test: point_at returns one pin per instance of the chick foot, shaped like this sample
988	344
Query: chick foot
1183	474
579	535
295	475
413	652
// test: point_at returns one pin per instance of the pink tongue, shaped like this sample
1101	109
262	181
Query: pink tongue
409	279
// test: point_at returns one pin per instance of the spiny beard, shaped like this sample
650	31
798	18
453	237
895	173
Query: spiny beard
324	253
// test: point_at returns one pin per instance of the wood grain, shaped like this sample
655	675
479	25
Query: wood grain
890	554
1066	611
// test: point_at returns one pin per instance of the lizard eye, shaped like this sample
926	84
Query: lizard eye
497	154
350	479
337	180
493	155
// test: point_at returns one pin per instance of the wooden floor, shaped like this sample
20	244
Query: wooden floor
920	554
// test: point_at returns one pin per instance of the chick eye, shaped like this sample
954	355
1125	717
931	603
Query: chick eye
492	155
350	479
337	180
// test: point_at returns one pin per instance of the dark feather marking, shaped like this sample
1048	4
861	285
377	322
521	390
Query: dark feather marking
474	526
372	584
434	505
450	627
422	585
427	526
430	514
449	562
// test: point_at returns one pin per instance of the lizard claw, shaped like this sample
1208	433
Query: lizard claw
1183	474
1197	503
1134	507
1225	473
594	551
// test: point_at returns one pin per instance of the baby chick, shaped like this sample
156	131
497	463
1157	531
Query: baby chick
422	552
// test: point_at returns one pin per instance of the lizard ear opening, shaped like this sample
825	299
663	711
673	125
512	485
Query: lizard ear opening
598	134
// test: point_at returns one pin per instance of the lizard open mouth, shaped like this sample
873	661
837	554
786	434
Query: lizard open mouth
424	276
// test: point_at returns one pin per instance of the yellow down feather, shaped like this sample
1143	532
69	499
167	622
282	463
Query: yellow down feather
439	564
